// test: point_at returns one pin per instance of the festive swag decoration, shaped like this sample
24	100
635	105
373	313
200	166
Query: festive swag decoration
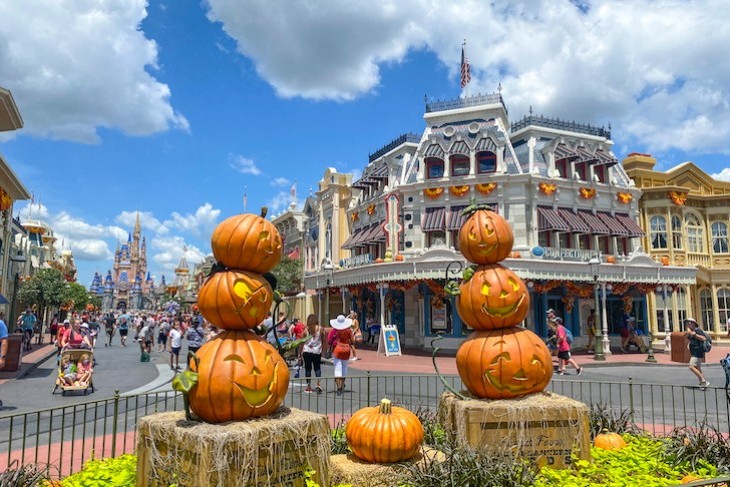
459	191
678	198
371	209
433	193
624	197
547	188
486	188
355	217
5	201
587	193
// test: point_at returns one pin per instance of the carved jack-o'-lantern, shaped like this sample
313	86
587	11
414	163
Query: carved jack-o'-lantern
494	297
505	363
235	300
248	242
486	238
240	376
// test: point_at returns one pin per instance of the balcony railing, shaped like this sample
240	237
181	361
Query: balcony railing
470	101
556	123
402	139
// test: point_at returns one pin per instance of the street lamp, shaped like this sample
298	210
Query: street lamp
665	289
329	270
383	291
595	266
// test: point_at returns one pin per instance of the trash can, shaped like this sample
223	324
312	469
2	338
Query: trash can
680	347
12	357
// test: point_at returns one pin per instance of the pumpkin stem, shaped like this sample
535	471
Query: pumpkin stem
447	386
264	211
385	406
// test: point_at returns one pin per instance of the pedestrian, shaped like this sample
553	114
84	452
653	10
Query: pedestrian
176	337
110	325
630	336
95	328
552	338
697	338
3	342
195	336
341	349
53	328
356	334
311	353
373	330
27	322
591	329
563	344
74	338
162	333
123	330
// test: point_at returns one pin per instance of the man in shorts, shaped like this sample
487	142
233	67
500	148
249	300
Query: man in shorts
176	337
697	339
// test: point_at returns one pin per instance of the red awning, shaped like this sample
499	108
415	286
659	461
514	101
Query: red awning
614	225
352	239
633	228
550	220
434	220
596	224
562	151
577	224
454	219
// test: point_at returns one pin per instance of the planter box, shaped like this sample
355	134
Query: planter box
348	469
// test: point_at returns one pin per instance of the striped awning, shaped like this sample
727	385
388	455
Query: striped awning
604	158
454	219
633	228
596	224
380	173
549	219
380	234
584	155
375	235
363	182
486	144
367	238
459	147
562	151
576	223
353	238
434	150
616	228
434	220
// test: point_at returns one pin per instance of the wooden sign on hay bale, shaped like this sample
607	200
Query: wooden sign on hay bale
348	469
272	451
544	428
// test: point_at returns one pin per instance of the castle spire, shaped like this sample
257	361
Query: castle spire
137	226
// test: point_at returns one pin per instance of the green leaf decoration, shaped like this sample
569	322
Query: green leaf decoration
184	381
468	272
452	288
295	343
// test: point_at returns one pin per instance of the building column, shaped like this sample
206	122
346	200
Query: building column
715	310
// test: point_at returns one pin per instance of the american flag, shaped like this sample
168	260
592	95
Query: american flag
465	74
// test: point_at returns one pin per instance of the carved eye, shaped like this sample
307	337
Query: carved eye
514	283
503	294
234	358
472	235
485	289
263	235
502	356
242	290
489	229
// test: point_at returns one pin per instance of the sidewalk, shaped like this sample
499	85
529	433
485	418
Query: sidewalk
30	361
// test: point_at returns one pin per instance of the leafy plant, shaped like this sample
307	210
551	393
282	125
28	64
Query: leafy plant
434	432
339	441
18	475
601	417
119	472
699	445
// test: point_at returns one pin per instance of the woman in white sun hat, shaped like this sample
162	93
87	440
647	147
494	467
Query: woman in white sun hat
341	348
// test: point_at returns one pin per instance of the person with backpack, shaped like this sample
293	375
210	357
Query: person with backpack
564	339
699	344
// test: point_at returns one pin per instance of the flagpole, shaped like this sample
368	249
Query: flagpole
463	50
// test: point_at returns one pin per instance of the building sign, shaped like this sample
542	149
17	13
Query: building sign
356	261
389	342
580	255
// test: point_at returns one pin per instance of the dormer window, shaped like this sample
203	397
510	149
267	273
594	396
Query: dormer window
434	168
580	171
486	162
561	165
459	165
599	172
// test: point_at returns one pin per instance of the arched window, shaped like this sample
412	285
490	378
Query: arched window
658	232
486	162
459	165
719	238
695	234
723	307
434	168
677	232
706	310
680	294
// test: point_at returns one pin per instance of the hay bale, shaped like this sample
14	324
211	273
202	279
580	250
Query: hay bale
270	451
544	428
348	469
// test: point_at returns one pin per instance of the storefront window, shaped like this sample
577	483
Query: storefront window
584	241
486	162
434	168
719	238
706	310
658	232
677	232
543	239
459	165
580	170
680	295
663	302
723	307
436	238
695	234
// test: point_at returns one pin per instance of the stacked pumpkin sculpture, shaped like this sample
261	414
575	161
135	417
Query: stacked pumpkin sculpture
239	375
500	359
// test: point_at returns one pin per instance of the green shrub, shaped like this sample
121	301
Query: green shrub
601	417
18	475
339	441
699	445
434	434
119	472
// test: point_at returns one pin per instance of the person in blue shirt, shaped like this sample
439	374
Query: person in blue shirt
3	342
27	324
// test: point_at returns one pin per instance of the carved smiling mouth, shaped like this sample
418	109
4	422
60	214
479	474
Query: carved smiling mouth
258	397
485	249
503	311
244	291
519	376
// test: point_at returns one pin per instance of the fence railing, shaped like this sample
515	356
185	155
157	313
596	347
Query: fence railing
64	438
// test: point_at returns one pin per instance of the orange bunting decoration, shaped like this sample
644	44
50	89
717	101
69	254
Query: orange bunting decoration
5	200
459	190
486	188
433	193
355	217
624	197
587	193
678	198
547	188
371	209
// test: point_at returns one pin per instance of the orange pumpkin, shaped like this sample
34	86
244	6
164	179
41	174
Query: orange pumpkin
240	376
690	478
611	259
384	434
486	237
609	441
494	297
248	242
506	363
235	300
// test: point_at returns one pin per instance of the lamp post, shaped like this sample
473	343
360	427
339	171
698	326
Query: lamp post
328	272
605	288
383	288
665	289
595	266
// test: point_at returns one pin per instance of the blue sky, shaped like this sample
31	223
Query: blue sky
175	109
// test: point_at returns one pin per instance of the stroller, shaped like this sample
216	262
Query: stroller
69	382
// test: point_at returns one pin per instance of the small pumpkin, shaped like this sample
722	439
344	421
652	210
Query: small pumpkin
384	434
399	258
240	376
609	441
494	297
611	259
506	363
248	242
485	237
235	300
690	478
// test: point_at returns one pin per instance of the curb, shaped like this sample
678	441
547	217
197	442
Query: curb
34	365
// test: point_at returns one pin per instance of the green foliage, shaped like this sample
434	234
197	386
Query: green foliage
16	475
47	287
119	472
339	441
434	434
311	483
699	445
184	381
642	463
288	273
79	295
602	417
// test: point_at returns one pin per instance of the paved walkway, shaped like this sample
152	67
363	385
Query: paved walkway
29	361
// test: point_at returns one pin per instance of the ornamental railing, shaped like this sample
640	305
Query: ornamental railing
556	123
469	101
402	139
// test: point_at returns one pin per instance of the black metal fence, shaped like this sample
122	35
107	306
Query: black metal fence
64	438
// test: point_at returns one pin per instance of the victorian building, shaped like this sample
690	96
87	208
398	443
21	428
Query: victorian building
572	207
686	214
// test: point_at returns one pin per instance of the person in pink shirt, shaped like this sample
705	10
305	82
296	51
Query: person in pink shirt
564	357
84	370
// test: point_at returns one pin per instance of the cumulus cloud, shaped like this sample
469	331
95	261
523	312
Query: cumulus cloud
723	175
146	220
75	67
280	182
90	249
169	250
642	65
201	222
245	165
280	201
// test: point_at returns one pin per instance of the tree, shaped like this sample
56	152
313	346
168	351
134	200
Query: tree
46	288
79	295
288	275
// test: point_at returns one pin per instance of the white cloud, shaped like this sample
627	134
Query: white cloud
75	67
279	202
723	175
200	223
146	220
167	252
35	211
245	166
280	182
90	249
643	66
